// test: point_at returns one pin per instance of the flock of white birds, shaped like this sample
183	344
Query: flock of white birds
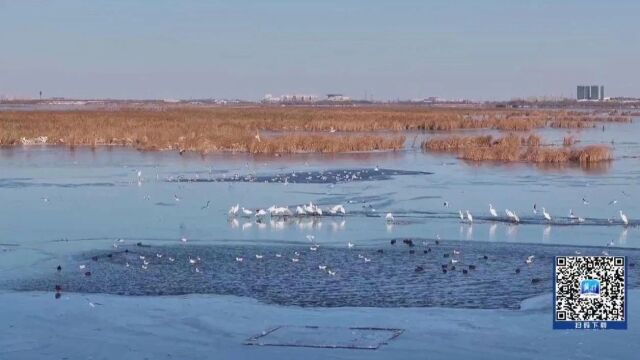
513	217
284	211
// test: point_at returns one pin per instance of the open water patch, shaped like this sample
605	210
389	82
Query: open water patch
427	274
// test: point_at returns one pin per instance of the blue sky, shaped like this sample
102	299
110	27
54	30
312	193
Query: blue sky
246	48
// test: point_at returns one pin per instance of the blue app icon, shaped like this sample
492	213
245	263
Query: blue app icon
590	288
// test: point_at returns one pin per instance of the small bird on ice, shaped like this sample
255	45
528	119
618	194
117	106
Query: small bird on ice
613	202
239	259
350	245
322	267
530	259
184	239
259	256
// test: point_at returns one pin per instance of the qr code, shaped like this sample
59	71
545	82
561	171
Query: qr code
590	288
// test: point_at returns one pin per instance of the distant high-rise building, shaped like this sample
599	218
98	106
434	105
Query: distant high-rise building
594	93
581	93
590	92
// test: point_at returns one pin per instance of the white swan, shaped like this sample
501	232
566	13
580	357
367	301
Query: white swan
492	211
233	211
389	218
246	212
338	209
624	218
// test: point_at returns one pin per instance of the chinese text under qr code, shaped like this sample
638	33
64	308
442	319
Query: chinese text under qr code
589	288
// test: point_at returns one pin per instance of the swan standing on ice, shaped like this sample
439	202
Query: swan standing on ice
338	209
492	211
233	211
246	212
511	215
624	218
461	215
546	214
389	218
469	217
261	214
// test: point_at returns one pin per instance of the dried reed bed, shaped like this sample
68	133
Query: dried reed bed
325	143
513	148
176	130
234	128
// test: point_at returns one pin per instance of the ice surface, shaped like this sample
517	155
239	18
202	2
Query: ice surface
36	326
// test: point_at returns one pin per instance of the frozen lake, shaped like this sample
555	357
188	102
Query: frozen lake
118	239
89	212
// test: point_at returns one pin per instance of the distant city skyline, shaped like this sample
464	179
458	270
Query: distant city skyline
480	50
